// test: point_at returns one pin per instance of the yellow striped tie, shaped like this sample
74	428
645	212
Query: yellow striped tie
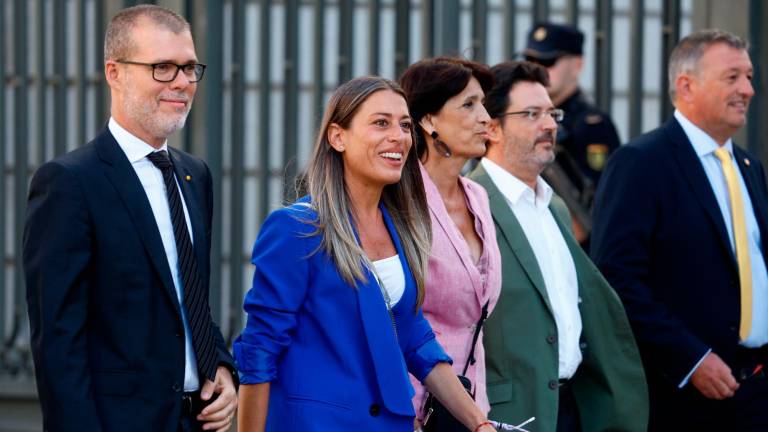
739	238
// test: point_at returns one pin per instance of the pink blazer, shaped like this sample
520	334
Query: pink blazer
456	288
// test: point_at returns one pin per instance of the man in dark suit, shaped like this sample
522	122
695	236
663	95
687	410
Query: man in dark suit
116	254
681	222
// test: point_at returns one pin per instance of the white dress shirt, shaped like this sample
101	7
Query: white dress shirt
531	208
151	179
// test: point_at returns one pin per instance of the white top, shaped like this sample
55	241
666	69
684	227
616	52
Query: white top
531	208
151	179
389	273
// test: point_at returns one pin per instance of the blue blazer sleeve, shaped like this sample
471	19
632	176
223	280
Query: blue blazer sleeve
279	287
423	351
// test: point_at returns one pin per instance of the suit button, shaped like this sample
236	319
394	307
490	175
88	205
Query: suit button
551	339
582	346
374	410
176	387
553	384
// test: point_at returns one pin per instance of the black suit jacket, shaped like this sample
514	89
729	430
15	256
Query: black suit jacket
661	241
107	336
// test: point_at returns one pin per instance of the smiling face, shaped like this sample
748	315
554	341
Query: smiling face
376	144
149	109
716	96
462	122
527	146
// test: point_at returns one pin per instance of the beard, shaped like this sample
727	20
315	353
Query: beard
146	112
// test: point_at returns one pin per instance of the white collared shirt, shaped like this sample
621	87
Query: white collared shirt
531	208
151	179
705	146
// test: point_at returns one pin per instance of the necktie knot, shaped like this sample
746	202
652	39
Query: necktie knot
722	154
160	159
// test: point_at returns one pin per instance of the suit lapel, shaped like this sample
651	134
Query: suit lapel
128	186
690	167
512	232
190	190
755	184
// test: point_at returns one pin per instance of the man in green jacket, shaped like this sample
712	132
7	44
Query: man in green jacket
558	346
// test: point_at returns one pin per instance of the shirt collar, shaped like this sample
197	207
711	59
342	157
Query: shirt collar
513	188
133	147
702	143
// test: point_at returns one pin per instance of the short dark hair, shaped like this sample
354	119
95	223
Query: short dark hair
505	76
429	83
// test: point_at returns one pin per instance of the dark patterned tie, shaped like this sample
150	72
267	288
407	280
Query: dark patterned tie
195	303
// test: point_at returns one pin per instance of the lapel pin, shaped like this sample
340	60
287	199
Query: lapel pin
746	161
188	178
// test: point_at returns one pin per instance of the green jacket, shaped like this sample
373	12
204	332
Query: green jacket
521	344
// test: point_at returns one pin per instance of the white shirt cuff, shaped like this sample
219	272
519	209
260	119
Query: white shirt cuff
688	377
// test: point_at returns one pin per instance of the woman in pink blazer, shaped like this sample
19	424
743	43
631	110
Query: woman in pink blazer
445	97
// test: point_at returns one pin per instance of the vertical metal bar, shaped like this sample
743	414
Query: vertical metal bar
42	118
319	72
540	10
757	115
402	35
187	142
264	104
82	77
213	135
236	149
291	103
374	27
346	10
447	37
509	29
670	34
572	12
100	110
636	36
427	28
60	66
479	29
21	140
603	37
3	196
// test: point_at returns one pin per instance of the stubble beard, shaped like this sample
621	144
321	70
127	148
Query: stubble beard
147	114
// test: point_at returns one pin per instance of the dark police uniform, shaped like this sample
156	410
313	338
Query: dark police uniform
585	137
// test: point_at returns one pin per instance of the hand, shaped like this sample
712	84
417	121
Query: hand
713	378
218	415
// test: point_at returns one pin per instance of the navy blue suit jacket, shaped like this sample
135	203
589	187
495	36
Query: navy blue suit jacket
661	241
107	335
327	348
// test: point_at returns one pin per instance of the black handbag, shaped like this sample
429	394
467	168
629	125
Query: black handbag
437	417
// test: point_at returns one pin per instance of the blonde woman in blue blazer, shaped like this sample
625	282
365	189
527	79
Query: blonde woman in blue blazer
334	320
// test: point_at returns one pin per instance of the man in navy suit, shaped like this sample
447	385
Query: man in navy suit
681	221
116	254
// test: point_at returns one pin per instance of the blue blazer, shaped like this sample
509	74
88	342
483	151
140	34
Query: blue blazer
661	241
329	349
107	334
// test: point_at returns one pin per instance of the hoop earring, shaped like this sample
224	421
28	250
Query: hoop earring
441	147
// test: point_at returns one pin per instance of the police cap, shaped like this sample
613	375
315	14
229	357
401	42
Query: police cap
549	41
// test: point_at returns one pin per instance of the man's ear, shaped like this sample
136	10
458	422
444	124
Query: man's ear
495	133
684	84
112	74
336	136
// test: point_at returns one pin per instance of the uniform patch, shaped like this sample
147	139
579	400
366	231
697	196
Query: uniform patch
593	119
597	155
540	34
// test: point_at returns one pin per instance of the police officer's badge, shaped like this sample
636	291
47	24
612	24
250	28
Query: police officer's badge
597	155
540	34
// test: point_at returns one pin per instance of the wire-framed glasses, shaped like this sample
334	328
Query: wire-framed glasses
167	72
536	114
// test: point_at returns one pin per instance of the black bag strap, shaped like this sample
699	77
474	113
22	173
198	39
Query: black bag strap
478	327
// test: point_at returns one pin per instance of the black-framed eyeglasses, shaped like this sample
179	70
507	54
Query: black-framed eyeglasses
536	114
167	72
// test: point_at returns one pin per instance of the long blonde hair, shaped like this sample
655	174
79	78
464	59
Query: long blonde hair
405	200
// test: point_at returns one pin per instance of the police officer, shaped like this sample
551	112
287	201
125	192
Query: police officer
586	136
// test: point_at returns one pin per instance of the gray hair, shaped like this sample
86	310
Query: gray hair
685	57
118	40
405	200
